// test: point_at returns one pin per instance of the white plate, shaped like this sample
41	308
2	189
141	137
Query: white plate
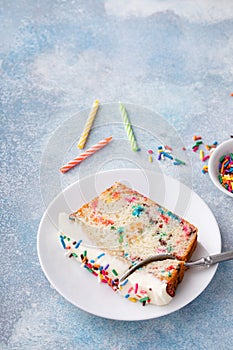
81	288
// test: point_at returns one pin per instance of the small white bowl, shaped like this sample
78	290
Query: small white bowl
213	167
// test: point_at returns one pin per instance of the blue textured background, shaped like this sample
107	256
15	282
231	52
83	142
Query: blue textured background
56	57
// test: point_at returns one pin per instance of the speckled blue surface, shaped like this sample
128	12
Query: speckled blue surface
56	57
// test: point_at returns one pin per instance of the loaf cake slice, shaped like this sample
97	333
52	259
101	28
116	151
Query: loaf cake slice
126	227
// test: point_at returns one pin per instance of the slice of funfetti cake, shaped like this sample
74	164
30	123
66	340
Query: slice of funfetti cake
126	227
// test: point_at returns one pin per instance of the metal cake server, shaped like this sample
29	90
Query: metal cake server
204	261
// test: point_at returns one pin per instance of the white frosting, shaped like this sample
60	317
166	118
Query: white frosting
140	285
154	287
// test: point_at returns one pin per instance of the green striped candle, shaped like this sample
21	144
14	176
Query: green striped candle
128	127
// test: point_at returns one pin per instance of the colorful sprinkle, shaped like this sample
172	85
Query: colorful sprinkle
169	249
198	143
195	138
137	210
88	268
201	154
121	238
134	300
167	155
168	147
124	282
205	158
226	172
221	159
180	161
144	299
130	290
195	148
78	244
142	291
101	255
205	169
114	272
63	242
